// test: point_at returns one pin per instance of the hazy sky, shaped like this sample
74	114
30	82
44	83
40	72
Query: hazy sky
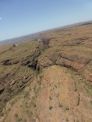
21	17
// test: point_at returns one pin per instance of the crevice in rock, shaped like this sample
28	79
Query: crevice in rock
9	62
78	103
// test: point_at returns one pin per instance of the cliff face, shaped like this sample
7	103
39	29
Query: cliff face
48	79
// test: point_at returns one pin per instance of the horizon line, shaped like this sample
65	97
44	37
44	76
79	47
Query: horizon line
50	29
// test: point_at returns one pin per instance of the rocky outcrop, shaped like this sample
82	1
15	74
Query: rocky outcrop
53	72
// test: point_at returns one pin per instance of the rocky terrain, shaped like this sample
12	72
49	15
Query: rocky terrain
48	78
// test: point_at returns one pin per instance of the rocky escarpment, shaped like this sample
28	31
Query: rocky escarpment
56	71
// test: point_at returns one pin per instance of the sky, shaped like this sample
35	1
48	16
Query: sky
23	17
